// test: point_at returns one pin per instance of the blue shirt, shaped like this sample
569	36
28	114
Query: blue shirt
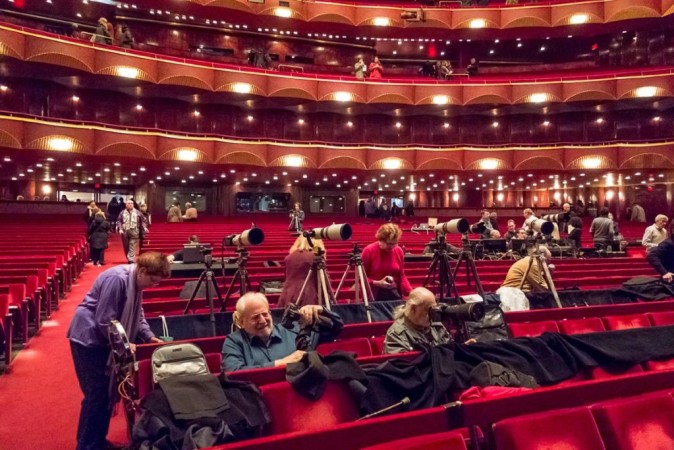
241	351
104	302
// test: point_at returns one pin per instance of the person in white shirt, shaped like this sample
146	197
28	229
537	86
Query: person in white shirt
656	233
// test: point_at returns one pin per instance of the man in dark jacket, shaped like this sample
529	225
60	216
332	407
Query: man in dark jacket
662	257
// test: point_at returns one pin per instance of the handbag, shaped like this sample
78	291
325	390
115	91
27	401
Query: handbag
164	330
492	327
489	373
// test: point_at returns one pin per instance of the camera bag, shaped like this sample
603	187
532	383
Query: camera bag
492	327
176	360
489	373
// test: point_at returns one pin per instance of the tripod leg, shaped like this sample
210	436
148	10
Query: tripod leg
450	280
304	285
341	282
194	293
526	274
232	283
431	270
470	264
548	279
365	287
209	300
324	288
246	285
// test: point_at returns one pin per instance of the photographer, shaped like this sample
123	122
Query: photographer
412	324
534	280
296	218
259	343
488	228
384	263
178	254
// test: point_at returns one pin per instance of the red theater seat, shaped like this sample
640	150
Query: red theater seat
532	329
663	318
572	428
626	321
359	346
599	373
449	440
637	423
292	412
580	326
377	344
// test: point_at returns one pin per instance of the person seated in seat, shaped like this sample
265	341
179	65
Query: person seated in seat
190	212
575	228
534	281
602	230
512	231
662	257
178	254
259	343
412	324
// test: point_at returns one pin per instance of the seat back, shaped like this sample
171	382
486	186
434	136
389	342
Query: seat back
661	318
627	321
532	329
449	440
570	428
637	423
359	346
377	344
580	326
292	412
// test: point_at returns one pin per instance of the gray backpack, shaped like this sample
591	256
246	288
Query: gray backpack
176	360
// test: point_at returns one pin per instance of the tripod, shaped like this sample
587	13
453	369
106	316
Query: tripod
240	276
295	222
441	273
543	270
325	295
362	287
209	277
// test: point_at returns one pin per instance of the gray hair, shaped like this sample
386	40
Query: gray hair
416	298
661	217
244	299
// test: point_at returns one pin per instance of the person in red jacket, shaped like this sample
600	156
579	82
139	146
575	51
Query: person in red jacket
384	264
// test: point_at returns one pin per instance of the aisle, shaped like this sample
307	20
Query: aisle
40	396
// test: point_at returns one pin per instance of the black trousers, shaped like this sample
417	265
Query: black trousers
98	255
90	365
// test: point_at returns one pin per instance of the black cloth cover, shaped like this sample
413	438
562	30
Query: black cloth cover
647	288
194	396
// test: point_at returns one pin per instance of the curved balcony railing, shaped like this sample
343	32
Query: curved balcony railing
33	46
97	139
453	17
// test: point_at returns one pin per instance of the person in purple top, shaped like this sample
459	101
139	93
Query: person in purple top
115	295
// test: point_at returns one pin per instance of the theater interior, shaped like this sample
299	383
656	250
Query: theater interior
245	107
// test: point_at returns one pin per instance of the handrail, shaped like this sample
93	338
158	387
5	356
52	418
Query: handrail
99	126
575	77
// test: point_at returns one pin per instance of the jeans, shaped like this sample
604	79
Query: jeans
90	366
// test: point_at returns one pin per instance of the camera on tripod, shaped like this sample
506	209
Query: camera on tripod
252	236
292	315
557	218
457	314
543	226
460	226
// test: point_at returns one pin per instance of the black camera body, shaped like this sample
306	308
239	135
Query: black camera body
290	316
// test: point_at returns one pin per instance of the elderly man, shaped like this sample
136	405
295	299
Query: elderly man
534	280
260	343
130	225
656	233
412	324
662	257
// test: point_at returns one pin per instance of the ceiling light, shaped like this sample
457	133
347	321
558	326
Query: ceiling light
381	21
242	88
349	124
186	154
127	72
283	12
477	23
342	96
539	97
440	99
591	163
489	164
577	19
399	125
60	144
139	107
646	91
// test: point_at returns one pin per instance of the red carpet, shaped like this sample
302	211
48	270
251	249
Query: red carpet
40	396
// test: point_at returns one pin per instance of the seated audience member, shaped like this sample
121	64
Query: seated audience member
493	219
656	233
178	254
412	324
190	212
575	229
512	231
472	68
662	257
297	264
384	264
260	343
601	230
534	281
174	214
115	295
638	213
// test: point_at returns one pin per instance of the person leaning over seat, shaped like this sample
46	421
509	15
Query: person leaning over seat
259	343
534	280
